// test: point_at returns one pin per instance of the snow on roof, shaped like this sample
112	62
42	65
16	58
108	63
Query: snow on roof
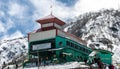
77	38
49	19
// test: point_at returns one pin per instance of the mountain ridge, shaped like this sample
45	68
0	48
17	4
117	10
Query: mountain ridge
100	29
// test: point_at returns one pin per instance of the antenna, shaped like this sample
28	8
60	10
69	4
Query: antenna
51	7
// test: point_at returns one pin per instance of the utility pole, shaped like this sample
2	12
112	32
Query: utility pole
38	58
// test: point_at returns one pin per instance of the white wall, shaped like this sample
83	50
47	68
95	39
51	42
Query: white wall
42	35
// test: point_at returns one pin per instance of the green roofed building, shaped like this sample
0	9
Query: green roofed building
104	56
51	45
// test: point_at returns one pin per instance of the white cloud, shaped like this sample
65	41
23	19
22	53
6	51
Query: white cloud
62	11
10	24
2	13
2	28
16	9
17	34
5	27
43	9
95	5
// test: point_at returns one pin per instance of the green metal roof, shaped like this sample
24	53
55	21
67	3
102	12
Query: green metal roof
104	51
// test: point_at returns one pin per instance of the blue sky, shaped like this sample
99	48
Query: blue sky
68	2
17	17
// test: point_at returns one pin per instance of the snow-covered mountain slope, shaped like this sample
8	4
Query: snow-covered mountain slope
100	29
12	49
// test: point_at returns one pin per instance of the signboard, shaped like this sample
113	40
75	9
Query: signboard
41	46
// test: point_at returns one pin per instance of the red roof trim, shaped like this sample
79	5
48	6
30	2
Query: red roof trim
49	19
79	39
84	42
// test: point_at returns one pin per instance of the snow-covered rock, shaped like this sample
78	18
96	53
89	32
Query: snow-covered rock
10	49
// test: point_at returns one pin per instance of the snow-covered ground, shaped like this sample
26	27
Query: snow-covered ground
70	65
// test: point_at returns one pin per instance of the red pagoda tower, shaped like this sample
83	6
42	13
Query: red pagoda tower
50	22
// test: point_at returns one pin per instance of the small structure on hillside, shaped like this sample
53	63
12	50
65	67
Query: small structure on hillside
100	56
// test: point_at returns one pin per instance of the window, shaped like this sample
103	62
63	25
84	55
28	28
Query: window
84	49
81	58
88	51
60	43
68	43
76	46
80	48
72	45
